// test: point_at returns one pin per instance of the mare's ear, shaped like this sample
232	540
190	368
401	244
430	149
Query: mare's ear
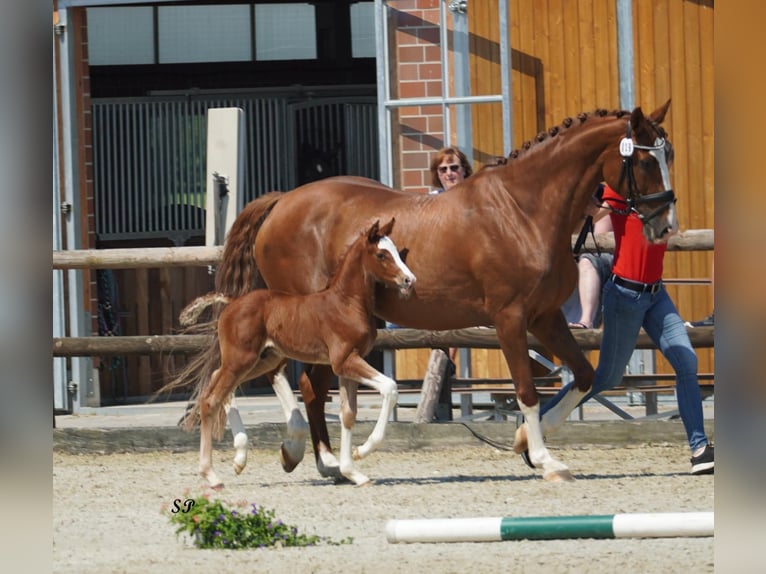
403	253
386	229
636	119
658	115
373	234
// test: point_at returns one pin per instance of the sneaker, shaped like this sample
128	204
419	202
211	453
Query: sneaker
708	321
704	463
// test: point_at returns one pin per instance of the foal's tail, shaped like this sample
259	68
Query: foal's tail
238	274
199	370
190	314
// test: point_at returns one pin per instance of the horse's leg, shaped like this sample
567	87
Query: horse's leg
355	368
552	331
389	392
315	389
238	364
294	446
211	401
238	431
348	408
511	329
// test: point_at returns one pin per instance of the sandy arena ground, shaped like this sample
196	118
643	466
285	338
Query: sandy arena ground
107	510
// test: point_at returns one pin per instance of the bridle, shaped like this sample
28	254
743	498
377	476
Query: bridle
627	148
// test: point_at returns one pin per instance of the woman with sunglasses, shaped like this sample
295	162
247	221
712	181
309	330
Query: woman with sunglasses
449	167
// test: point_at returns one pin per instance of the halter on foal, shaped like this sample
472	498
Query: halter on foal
335	326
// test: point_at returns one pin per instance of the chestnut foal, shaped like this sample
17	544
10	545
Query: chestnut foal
334	326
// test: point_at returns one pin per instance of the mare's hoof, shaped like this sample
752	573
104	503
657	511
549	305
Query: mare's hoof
288	464
238	468
217	487
559	476
527	460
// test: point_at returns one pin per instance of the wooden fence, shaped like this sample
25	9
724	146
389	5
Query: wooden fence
402	340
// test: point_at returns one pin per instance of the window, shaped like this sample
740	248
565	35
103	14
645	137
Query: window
285	32
120	36
363	30
204	34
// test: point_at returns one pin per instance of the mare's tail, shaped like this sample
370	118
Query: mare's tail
236	275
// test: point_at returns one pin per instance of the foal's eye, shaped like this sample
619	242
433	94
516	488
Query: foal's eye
381	256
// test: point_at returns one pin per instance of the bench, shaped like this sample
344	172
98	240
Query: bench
502	401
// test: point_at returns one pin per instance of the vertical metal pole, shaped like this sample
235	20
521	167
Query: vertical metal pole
384	129
82	367
462	80
625	53
60	399
505	76
383	79
444	62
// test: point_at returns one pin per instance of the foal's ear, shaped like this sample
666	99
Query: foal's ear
373	235
403	253
386	229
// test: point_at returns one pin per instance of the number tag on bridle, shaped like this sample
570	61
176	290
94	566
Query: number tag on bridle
626	147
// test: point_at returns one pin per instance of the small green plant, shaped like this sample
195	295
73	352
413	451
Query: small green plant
211	524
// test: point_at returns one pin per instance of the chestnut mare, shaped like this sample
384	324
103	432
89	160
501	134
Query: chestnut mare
493	250
334	326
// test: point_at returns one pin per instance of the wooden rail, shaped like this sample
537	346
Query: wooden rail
474	337
201	256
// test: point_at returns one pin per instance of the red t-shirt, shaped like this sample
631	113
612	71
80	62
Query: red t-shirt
634	257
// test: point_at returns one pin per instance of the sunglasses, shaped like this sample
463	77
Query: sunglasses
455	167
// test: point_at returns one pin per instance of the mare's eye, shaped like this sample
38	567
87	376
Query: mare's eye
381	256
645	164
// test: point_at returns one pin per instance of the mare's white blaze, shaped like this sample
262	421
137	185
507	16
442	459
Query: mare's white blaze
660	156
385	244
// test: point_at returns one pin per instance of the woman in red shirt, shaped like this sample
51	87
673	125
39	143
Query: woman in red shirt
635	297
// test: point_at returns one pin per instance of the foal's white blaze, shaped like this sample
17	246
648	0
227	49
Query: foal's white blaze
385	244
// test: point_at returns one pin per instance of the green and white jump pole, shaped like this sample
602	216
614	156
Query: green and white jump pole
646	525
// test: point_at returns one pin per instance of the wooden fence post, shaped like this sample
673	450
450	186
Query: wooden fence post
431	391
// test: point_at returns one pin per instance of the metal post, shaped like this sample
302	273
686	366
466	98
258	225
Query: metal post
86	393
625	53
60	399
505	76
462	77
384	119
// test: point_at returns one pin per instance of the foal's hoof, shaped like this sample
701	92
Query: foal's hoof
238	468
217	487
559	476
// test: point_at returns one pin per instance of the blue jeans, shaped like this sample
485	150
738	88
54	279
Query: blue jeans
624	313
